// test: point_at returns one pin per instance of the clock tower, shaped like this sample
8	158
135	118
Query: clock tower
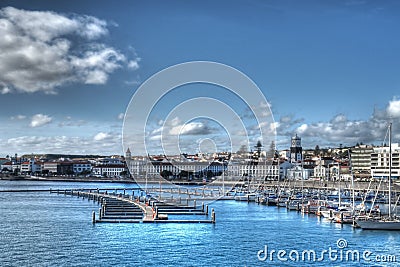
296	150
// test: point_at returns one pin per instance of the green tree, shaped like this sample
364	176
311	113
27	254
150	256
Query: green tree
258	148
317	150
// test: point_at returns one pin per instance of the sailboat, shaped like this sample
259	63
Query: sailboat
388	222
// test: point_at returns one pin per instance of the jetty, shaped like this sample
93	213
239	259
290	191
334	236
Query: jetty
120	207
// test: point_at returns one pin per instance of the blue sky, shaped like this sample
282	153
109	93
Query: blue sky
329	69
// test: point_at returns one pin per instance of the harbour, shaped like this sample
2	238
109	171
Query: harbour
242	229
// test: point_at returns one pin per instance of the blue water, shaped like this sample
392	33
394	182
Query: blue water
43	229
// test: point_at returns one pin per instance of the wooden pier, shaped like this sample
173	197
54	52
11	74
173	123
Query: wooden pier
124	208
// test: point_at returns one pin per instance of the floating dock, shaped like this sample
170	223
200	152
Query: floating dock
124	208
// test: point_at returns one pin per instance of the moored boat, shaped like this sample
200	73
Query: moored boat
388	222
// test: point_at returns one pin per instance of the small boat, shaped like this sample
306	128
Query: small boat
378	223
312	206
251	197
343	217
328	214
282	202
294	205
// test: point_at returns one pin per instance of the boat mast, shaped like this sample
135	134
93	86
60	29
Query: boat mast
340	193
390	169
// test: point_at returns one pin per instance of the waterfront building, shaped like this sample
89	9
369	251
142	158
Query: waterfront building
108	161
380	162
298	172
65	167
284	166
296	150
233	168
4	160
50	167
31	167
109	170
141	167
81	166
320	171
6	166
261	171
360	158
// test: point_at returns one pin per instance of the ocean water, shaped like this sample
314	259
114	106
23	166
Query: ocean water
43	229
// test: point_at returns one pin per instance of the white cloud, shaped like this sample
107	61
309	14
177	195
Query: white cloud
61	144
39	51
134	64
303	128
393	108
4	89
71	122
40	120
101	136
121	116
95	65
191	128
342	130
18	117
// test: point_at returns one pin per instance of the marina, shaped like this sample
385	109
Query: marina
241	230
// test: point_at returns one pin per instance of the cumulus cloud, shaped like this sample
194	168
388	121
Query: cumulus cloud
133	64
342	130
4	89
40	120
42	50
101	136
393	108
191	128
62	144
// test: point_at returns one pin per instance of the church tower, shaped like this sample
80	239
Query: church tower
296	150
128	154
128	159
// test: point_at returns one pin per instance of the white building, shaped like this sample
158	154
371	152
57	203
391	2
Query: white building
109	170
30	167
298	172
361	160
320	171
380	162
7	166
260	170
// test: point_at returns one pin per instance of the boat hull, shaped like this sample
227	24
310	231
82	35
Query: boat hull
378	225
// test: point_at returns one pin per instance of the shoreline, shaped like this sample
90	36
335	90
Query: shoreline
306	184
67	179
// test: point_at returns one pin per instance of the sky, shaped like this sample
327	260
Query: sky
330	71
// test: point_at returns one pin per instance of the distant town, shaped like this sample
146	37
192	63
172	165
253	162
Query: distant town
363	162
